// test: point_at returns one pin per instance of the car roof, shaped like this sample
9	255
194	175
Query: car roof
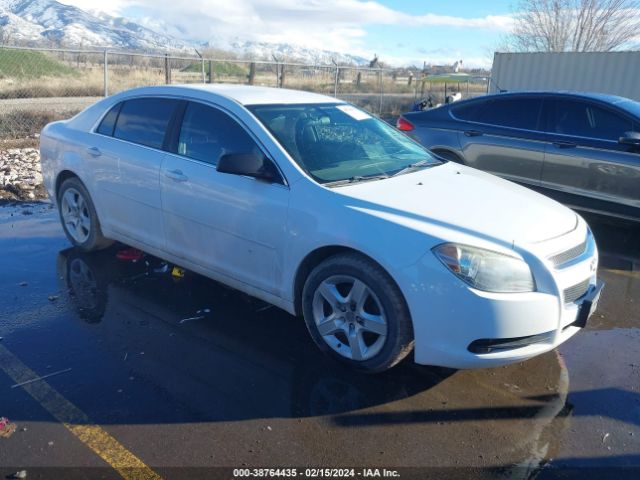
605	97
243	94
630	106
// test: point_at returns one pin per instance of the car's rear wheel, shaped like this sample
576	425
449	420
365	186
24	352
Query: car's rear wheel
78	216
356	313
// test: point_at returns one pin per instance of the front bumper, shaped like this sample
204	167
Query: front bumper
588	304
449	317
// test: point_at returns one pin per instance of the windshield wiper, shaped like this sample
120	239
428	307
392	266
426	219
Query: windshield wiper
415	166
355	179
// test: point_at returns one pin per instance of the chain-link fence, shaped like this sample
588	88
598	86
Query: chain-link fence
41	85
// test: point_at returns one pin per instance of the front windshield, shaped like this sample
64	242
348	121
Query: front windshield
339	142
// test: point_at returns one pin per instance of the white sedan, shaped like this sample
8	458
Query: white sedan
313	205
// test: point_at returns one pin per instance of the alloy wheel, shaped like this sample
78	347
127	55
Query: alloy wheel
350	317
75	215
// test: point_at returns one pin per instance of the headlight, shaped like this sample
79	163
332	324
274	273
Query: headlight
486	270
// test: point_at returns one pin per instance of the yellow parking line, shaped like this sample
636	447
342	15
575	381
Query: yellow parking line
77	422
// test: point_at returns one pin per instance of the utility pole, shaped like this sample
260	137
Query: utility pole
167	69
204	78
106	72
335	83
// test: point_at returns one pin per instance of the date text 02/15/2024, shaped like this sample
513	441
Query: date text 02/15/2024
314	473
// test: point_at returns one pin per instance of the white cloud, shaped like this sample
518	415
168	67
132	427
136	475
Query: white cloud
329	24
112	7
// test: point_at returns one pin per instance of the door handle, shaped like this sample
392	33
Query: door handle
473	133
176	175
564	145
94	151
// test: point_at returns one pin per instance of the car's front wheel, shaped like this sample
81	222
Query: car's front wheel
356	313
78	216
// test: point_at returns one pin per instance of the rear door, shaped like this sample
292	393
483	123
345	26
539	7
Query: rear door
503	135
585	159
129	185
100	159
229	224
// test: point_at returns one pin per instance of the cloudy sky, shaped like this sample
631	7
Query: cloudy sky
400	31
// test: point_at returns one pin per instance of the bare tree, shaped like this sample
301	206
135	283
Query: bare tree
5	36
575	25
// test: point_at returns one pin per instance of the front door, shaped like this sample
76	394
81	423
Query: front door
504	137
585	159
229	224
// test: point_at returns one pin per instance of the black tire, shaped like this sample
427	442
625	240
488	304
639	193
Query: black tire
87	277
450	156
398	341
88	237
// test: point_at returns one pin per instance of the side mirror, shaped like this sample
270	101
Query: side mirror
630	138
250	164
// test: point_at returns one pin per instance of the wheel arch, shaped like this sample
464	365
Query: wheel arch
448	154
62	176
96	238
315	258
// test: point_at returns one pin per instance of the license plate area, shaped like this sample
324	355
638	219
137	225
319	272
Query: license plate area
589	305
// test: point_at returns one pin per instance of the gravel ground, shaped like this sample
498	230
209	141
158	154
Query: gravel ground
20	175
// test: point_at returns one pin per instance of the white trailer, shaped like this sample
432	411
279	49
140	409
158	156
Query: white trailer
614	73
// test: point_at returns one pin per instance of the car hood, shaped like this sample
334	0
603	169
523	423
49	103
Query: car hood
455	197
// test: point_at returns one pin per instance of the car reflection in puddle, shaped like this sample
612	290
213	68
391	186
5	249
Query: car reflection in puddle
239	359
192	324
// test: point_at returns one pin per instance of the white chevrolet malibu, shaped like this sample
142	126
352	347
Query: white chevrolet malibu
313	205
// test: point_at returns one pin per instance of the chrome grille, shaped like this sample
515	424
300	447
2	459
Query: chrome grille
573	293
561	258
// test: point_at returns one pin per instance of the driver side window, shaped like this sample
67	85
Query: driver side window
208	133
582	119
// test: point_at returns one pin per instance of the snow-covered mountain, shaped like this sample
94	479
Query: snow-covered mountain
43	22
286	51
48	21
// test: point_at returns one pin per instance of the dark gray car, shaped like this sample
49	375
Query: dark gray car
582	149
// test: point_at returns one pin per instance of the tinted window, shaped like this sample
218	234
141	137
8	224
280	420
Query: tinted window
469	111
582	119
145	120
208	133
509	112
109	121
512	112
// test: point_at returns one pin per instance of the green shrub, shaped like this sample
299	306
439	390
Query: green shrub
223	69
25	64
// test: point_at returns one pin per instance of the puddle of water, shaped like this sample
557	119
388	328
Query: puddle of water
619	306
240	364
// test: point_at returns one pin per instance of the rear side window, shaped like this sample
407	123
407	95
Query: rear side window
109	121
145	120
583	119
522	113
208	133
469	111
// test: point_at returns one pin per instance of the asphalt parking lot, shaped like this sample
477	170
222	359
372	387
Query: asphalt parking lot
150	376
